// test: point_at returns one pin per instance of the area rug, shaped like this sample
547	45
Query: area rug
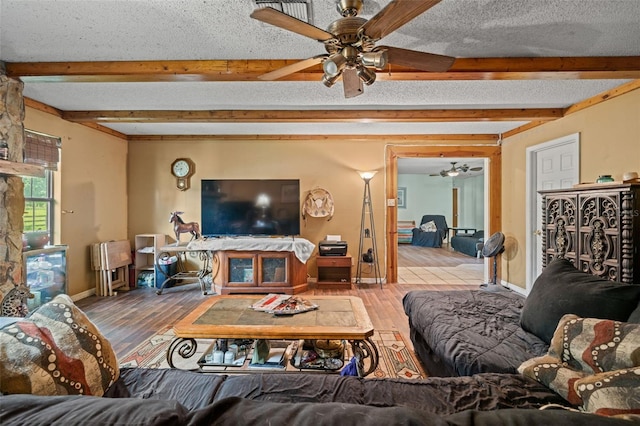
396	360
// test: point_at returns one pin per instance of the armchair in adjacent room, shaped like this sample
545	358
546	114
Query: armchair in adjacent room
432	231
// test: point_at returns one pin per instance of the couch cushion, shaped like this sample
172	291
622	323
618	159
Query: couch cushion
56	351
86	410
167	384
562	289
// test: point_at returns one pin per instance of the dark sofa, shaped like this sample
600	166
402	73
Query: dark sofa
474	332
174	397
461	333
468	244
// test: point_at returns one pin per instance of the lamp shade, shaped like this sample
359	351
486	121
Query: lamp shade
367	175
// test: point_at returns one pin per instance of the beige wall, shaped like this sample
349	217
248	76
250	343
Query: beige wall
328	164
91	181
609	144
118	191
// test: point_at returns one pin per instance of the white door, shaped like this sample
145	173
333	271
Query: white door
551	165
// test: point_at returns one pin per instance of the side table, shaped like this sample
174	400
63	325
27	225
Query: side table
334	272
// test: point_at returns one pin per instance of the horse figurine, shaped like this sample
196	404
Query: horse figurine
180	227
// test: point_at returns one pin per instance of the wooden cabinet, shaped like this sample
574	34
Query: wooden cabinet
334	272
147	247
260	272
597	227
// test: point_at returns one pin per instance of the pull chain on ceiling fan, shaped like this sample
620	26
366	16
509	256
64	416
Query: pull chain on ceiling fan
350	43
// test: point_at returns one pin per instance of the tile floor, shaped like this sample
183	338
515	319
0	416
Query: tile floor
467	274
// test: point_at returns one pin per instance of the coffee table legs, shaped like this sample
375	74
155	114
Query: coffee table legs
365	351
185	347
367	354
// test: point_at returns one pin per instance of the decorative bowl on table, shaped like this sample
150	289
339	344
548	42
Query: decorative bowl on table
35	240
328	348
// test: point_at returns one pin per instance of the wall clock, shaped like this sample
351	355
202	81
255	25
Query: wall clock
182	169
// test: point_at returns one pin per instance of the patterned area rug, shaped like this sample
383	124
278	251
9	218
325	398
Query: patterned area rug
395	359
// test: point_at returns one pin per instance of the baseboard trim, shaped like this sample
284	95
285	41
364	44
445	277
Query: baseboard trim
83	295
515	288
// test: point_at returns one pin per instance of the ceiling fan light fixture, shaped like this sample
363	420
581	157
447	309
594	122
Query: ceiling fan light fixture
453	173
376	60
334	65
329	81
366	75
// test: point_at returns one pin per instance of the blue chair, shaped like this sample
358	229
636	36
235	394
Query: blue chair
427	238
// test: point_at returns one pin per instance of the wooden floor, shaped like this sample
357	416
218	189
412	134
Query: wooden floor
129	318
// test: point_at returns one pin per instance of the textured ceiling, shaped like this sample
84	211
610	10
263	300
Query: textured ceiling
127	30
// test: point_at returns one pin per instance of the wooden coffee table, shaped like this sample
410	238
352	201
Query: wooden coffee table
231	317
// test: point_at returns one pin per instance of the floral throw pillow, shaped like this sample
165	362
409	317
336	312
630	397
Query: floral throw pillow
56	350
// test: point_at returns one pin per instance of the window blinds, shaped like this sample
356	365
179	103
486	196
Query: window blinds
42	150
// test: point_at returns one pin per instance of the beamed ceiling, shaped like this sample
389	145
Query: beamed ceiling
161	69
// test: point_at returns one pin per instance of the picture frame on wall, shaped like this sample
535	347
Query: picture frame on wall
402	197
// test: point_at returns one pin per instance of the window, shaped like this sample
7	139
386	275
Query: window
38	209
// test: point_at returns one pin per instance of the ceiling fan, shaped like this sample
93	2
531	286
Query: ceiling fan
350	43
455	171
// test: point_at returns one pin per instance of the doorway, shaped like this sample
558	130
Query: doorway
491	155
550	165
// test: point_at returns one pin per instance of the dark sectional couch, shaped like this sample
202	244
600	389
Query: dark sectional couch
173	397
468	243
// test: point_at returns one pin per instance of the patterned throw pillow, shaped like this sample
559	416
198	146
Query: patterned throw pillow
593	363
612	393
56	350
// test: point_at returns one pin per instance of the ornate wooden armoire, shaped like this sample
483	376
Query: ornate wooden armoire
597	227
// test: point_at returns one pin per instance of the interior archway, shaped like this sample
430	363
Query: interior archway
393	152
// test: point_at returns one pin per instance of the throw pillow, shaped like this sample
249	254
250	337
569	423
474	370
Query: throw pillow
56	350
582	347
612	393
429	226
562	289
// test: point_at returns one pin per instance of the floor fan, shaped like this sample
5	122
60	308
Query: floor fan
492	248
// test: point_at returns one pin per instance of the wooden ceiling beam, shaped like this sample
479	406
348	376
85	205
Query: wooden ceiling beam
312	116
617	67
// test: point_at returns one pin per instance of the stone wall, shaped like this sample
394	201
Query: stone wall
11	187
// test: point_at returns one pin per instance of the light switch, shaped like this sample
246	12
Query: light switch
391	202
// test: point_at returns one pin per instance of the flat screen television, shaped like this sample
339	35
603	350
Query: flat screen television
250	207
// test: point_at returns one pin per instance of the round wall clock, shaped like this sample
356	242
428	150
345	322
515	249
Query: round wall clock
182	169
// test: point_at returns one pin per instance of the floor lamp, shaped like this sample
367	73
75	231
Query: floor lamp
369	257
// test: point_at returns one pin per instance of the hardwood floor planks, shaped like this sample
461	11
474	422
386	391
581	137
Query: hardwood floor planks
131	317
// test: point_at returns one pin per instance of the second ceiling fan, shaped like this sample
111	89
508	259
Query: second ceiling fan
350	43
455	171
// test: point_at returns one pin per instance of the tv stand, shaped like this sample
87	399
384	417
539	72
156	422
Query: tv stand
260	272
258	265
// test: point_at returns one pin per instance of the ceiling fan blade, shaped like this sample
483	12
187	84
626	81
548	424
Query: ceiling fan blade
394	15
475	169
272	16
418	60
352	84
290	69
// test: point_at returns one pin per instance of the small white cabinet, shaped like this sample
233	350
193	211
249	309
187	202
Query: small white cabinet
147	247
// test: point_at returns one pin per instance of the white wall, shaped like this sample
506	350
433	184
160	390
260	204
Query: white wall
470	202
426	195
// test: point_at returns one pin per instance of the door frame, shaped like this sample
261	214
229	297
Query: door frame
492	153
531	198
